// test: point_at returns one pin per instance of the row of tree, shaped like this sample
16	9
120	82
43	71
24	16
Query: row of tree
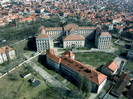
84	85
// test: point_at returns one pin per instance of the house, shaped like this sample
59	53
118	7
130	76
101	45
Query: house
120	85
43	41
3	56
73	41
110	68
6	53
130	52
103	40
72	68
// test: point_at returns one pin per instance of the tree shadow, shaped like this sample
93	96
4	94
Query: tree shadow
58	93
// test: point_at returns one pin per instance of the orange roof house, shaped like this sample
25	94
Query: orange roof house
105	34
110	68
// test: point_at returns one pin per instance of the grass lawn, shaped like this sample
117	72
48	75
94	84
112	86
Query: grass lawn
129	65
12	86
94	59
72	87
59	77
50	71
114	39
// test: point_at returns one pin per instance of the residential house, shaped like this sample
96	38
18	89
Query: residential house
110	68
43	41
120	85
6	53
103	40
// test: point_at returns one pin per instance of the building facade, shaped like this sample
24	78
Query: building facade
72	36
7	53
43	42
56	33
110	68
103	40
66	64
73	41
130	52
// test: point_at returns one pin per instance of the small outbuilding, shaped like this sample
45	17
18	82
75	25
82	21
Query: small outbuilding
34	83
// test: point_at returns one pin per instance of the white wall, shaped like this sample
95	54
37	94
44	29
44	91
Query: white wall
101	86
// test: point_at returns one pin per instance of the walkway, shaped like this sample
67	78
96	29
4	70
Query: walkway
46	76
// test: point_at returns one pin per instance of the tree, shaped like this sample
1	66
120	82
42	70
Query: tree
84	85
105	27
80	82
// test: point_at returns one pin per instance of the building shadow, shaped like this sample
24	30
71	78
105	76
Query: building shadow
31	44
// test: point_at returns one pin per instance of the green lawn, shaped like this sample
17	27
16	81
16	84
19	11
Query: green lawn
94	59
72	87
12	86
59	77
129	65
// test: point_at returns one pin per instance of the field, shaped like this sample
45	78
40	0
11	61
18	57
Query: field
129	65
95	59
12	86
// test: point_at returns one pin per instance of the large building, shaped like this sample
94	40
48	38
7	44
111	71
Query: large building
73	41
56	33
103	40
43	42
130	52
72	35
66	64
6	53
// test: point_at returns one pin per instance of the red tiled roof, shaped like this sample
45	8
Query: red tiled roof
71	26
5	49
105	34
74	37
1	51
112	66
87	27
78	67
53	28
43	36
54	58
68	54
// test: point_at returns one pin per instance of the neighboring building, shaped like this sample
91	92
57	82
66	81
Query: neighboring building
120	85
56	33
74	41
110	68
52	60
43	42
103	40
130	52
86	31
69	54
6	53
66	64
74	36
130	92
4	1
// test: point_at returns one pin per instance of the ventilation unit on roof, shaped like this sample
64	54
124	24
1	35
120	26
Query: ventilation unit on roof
81	67
87	71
